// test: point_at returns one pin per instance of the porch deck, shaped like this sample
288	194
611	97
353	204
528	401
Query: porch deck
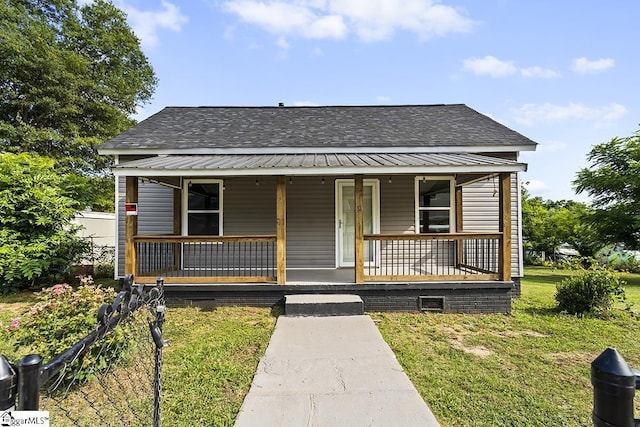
306	277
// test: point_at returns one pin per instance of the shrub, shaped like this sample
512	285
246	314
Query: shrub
575	263
61	317
37	238
103	271
593	290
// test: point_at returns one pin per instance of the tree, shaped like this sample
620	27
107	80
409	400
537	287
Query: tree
613	180
70	78
37	204
546	224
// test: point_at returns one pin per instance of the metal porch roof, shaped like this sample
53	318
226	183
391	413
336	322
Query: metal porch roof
315	164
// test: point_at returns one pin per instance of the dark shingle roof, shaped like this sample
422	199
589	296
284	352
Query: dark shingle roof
188	128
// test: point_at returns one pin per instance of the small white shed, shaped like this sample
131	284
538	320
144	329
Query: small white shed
99	229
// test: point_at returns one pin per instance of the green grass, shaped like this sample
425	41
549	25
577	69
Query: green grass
208	366
530	368
210	362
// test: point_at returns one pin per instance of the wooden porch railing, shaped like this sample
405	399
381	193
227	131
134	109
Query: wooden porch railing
253	259
436	256
205	259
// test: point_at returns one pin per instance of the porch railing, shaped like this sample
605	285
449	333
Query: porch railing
200	259
436	256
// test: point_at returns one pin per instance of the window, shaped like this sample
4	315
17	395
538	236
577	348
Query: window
202	200
434	205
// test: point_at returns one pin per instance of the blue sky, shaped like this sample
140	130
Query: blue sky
563	73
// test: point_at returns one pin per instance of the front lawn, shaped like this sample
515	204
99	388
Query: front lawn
530	368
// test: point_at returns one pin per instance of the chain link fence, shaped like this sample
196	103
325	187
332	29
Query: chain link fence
112	376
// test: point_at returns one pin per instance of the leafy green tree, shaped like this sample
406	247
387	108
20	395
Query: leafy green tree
71	76
613	180
37	204
546	224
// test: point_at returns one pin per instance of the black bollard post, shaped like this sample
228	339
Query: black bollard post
8	385
614	385
29	383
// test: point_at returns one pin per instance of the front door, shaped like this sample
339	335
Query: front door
345	220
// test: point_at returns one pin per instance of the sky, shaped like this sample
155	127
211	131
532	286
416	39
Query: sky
563	73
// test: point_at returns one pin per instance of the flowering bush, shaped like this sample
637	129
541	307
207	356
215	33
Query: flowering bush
61	317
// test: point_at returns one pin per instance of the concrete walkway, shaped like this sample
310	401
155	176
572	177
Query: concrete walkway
331	371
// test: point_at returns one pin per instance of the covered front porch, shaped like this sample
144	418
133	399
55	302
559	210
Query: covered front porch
399	242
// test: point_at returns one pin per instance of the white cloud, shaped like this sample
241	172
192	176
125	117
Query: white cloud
529	114
494	67
586	66
489	66
369	20
146	23
535	186
538	72
283	18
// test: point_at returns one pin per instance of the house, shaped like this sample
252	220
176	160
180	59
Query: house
412	207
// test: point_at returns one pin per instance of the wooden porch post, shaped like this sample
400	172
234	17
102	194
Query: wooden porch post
130	227
281	231
459	225
504	259
359	228
177	226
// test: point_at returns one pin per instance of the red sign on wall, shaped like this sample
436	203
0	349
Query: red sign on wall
131	208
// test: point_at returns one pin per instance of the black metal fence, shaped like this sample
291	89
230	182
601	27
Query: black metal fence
125	391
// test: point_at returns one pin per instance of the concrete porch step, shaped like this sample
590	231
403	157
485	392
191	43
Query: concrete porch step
323	305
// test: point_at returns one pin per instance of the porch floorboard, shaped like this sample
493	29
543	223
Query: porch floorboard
339	276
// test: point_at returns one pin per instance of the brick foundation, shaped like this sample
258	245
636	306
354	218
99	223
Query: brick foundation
447	297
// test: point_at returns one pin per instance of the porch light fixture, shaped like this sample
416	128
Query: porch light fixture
322	180
290	180
390	180
257	182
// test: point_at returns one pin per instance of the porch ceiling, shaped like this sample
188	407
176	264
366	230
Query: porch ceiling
316	164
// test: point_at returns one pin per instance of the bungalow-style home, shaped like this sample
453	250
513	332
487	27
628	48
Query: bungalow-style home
412	207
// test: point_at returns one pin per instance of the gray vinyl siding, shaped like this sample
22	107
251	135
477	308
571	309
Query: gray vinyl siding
311	232
397	204
480	213
155	213
247	208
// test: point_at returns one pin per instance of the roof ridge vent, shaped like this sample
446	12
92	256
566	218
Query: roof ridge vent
280	104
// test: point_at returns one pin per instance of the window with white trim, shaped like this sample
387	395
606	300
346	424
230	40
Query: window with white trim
434	204
202	207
